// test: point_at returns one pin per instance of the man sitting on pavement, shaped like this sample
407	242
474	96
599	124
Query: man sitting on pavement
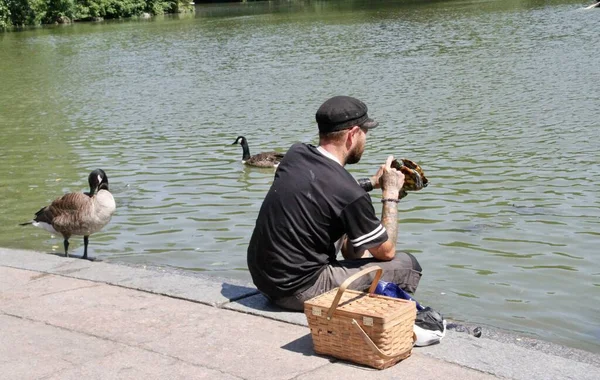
315	208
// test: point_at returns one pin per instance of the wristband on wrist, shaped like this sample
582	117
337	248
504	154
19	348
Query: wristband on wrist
366	184
383	200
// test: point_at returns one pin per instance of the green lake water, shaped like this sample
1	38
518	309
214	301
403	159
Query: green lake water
497	100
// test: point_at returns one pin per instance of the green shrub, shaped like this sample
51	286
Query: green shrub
60	11
21	12
86	9
35	12
5	22
178	6
156	7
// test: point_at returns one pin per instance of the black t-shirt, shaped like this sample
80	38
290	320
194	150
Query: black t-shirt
311	204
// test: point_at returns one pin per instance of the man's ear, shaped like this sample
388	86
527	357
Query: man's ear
349	138
352	134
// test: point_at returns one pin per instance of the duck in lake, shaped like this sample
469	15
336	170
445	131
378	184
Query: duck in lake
78	213
261	160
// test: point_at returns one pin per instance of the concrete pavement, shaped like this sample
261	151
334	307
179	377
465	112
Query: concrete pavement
70	319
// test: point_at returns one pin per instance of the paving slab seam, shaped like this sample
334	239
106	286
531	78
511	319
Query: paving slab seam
64	370
265	317
118	343
472	368
316	369
70	290
219	305
177	271
235	299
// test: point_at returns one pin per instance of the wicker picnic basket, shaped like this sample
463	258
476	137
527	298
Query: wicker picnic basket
364	328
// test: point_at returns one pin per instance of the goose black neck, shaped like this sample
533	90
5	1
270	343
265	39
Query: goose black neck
245	149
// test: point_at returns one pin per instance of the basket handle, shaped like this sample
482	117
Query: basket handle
374	347
350	280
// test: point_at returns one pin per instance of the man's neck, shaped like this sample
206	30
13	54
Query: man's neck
333	152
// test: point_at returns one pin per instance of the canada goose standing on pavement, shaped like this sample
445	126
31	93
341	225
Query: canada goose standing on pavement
78	213
262	160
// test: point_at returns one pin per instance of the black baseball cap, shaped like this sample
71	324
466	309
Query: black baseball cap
342	112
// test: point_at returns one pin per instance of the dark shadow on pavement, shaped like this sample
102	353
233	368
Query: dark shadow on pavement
302	345
249	300
73	256
235	292
249	297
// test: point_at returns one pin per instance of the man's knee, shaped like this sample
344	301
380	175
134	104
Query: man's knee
407	260
415	264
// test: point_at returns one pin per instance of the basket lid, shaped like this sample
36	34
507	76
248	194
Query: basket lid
353	303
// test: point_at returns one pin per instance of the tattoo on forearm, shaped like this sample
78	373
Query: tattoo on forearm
389	219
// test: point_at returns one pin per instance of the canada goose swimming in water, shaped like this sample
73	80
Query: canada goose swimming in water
78	213
262	160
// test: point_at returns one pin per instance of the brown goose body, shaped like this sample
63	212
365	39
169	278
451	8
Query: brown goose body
261	160
264	159
78	213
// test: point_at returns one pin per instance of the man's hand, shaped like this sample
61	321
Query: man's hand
390	180
375	179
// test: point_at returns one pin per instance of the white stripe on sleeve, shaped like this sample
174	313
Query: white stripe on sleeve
377	232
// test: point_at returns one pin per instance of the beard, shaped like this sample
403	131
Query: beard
355	154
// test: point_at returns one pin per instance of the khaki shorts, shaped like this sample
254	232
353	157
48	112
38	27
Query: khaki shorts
403	270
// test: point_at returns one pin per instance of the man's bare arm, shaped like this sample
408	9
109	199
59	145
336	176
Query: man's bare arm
391	182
